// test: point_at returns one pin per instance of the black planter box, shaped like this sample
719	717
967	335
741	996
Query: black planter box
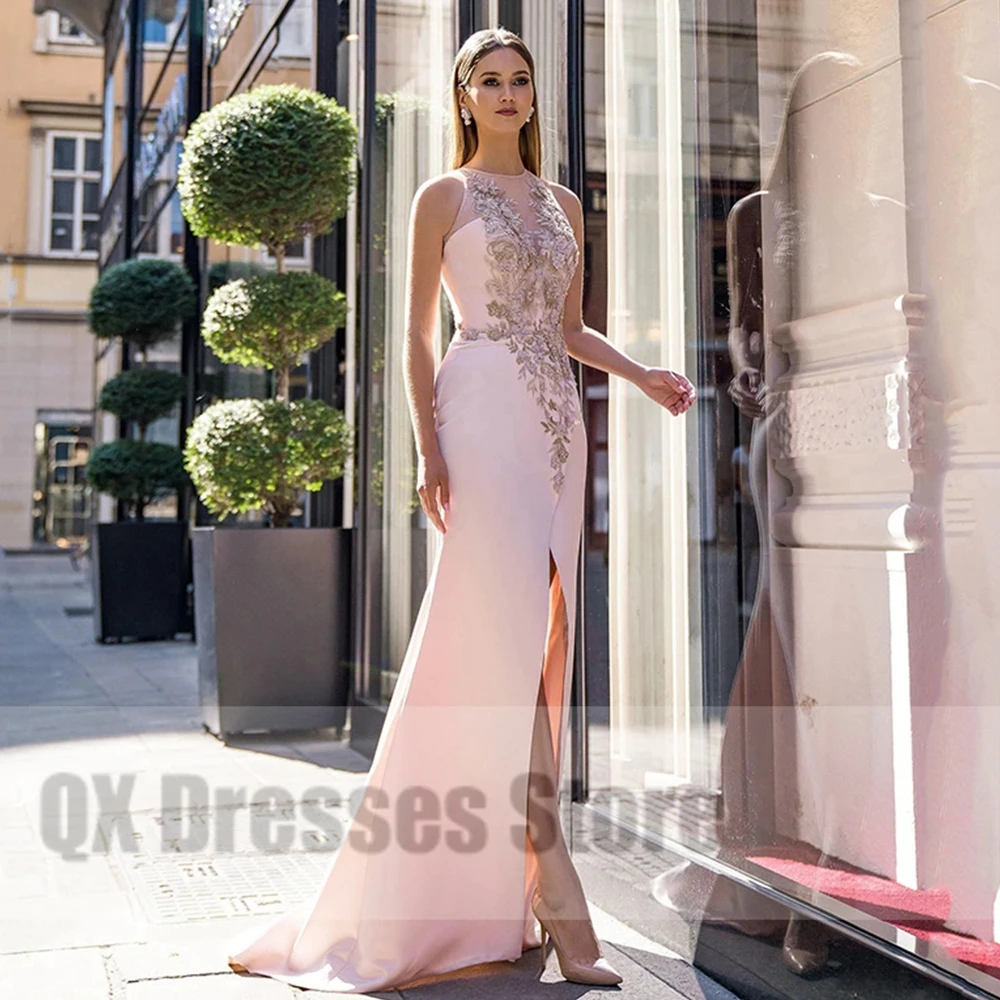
272	618
139	575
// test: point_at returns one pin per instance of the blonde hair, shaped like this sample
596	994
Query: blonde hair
465	139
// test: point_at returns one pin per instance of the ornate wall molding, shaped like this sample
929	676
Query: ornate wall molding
848	413
847	427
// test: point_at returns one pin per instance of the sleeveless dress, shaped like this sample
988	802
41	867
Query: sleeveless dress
435	871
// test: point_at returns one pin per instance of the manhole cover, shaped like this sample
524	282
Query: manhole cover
228	876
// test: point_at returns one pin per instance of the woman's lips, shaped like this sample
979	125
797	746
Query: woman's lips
509	112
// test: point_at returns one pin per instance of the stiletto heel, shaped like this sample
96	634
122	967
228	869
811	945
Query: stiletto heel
598	973
544	956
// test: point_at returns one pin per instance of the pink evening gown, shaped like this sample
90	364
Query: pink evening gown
490	626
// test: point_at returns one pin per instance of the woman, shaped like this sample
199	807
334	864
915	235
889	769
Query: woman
472	741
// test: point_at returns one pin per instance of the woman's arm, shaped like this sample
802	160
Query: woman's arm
423	282
431	213
745	278
592	348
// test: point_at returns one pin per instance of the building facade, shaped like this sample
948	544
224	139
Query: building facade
786	702
50	131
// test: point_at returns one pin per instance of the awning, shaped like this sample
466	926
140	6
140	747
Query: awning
89	15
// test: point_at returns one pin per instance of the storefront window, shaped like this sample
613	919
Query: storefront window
415	52
801	688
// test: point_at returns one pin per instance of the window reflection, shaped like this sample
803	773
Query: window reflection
799	677
415	52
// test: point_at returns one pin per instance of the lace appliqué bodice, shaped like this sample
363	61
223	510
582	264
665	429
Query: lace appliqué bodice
530	275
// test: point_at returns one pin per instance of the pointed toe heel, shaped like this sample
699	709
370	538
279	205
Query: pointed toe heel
596	973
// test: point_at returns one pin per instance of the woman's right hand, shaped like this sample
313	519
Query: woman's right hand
432	488
747	391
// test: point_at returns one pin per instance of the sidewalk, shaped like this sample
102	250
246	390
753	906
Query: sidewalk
110	890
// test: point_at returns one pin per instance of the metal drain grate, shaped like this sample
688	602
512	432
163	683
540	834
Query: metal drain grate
174	886
176	891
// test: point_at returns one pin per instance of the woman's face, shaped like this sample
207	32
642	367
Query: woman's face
500	91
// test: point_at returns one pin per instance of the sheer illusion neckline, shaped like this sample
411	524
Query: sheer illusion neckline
493	173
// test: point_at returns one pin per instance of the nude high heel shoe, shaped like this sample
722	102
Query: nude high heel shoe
599	973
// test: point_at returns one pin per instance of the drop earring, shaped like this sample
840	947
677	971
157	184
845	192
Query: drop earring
466	116
527	119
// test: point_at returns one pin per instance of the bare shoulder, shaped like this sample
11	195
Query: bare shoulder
436	203
568	201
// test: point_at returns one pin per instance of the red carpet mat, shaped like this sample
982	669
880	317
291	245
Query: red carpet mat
921	912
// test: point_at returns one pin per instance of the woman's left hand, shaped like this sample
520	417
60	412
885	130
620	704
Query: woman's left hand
670	389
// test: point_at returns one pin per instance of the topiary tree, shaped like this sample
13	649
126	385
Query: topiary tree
248	454
142	301
142	396
268	167
272	165
273	320
136	472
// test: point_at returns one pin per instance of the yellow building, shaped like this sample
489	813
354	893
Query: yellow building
50	132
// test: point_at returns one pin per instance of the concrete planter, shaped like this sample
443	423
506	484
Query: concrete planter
139	580
272	618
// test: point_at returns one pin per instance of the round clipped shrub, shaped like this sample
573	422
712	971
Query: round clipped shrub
142	395
141	300
136	472
252	454
273	319
271	165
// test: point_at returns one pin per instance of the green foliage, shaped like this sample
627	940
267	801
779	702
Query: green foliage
376	486
389	105
229	270
273	319
141	300
136	472
142	395
271	166
250	454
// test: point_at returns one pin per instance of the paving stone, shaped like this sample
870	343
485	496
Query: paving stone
77	974
203	955
224	987
52	923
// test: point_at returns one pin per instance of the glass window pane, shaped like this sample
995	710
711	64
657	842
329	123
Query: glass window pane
67	29
176	224
802	674
64	153
62	197
92	155
414	57
91	234
155	31
61	234
91	197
